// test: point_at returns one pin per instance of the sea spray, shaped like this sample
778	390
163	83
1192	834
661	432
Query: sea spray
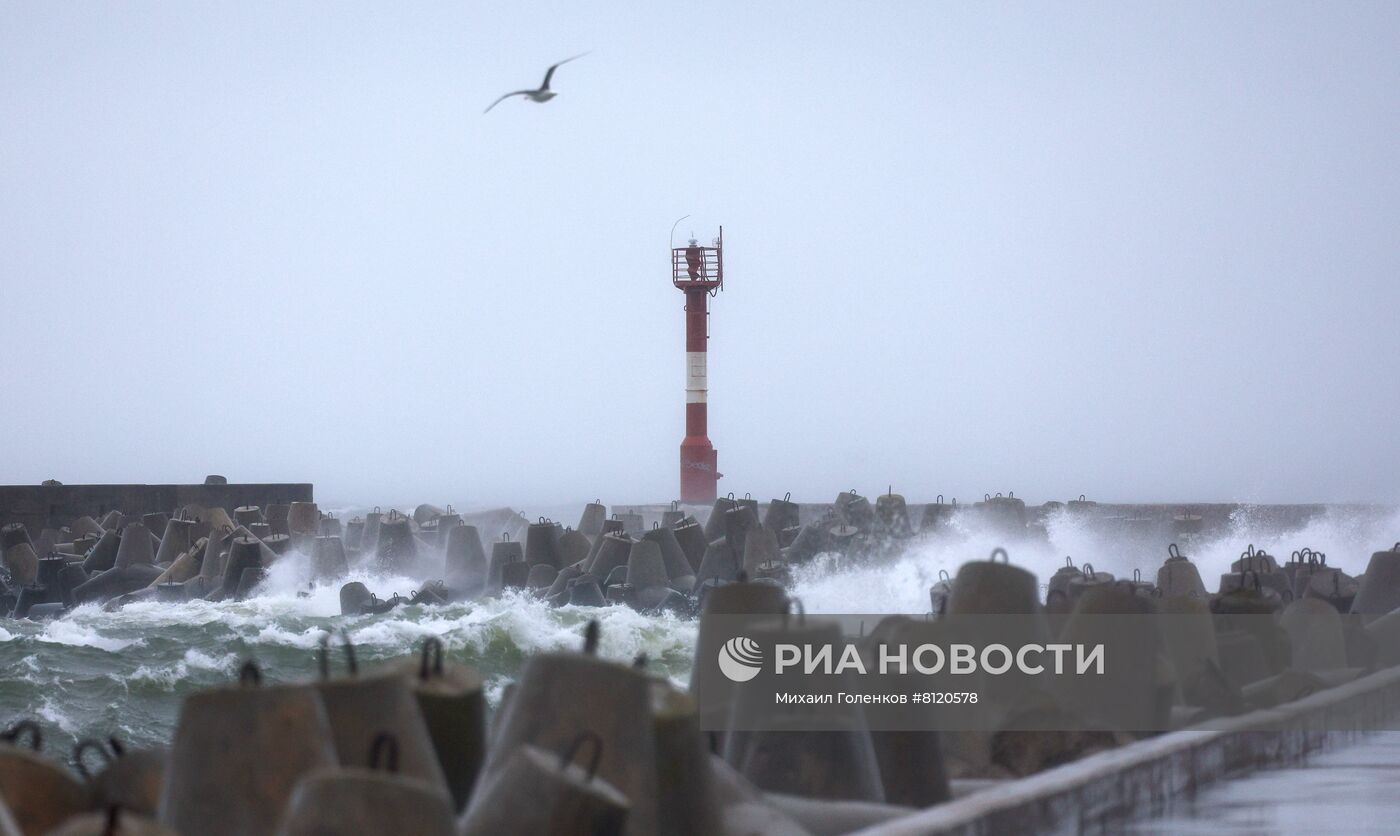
93	673
900	584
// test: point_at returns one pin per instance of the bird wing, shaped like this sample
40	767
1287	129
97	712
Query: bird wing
506	96
550	72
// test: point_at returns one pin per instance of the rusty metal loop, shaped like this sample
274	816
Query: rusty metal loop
999	551
943	575
433	645
114	812
384	750
81	748
323	651
1173	551
36	735
1087	570
570	753
590	637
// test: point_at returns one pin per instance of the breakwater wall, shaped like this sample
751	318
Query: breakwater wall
54	505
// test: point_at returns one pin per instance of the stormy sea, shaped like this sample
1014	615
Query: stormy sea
93	673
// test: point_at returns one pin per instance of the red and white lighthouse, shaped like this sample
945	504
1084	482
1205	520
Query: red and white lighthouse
699	272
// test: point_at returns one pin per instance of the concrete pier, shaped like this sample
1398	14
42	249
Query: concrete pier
1091	794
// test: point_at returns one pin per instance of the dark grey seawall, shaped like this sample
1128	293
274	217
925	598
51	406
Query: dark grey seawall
38	506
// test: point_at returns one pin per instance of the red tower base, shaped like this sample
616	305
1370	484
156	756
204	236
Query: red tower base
699	471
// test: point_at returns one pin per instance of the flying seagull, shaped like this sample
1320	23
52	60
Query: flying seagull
541	95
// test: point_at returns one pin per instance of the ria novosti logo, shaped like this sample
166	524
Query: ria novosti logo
740	659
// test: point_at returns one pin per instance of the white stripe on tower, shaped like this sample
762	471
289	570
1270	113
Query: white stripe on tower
695	382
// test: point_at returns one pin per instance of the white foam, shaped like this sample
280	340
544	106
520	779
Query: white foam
1347	537
171	676
528	624
74	633
203	661
167	676
51	713
283	596
899	584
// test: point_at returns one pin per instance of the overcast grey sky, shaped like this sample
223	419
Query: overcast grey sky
1138	251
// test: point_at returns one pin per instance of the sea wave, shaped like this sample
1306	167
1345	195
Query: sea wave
93	672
